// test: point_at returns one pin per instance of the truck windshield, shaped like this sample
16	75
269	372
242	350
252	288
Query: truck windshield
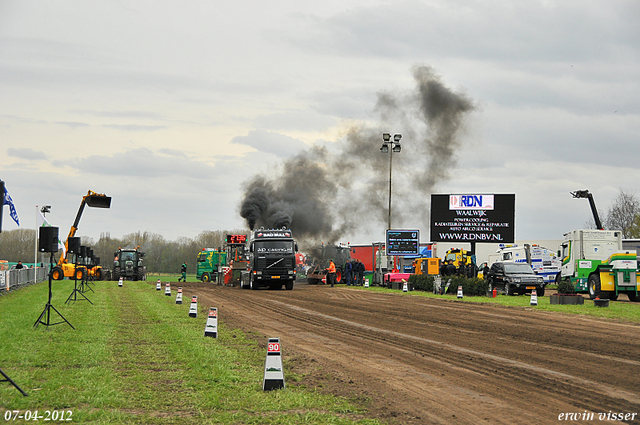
274	247
450	256
518	268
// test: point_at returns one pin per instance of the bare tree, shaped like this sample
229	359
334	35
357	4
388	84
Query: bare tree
622	214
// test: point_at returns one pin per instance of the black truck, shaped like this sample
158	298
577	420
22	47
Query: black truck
272	260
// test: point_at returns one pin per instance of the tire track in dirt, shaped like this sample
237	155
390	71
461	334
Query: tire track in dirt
493	379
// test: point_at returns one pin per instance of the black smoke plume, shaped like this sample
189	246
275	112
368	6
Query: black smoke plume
326	196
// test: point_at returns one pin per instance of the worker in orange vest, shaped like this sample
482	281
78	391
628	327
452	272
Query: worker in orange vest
331	273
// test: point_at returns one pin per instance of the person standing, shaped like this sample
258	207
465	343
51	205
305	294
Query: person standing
360	269
331	273
450	269
19	265
183	270
347	272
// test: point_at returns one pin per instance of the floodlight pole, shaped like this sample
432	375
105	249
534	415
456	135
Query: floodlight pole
390	146
390	168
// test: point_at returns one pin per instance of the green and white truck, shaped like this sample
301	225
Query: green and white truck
595	262
207	264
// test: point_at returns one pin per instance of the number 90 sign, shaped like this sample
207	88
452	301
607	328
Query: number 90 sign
273	347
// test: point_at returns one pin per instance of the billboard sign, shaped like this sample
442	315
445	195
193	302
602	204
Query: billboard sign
473	218
403	242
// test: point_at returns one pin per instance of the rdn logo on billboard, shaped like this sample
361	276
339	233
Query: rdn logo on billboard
471	202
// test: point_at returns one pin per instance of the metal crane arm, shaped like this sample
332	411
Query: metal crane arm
592	203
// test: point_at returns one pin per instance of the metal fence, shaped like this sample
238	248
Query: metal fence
13	279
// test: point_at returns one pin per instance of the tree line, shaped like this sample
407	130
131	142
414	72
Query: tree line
161	255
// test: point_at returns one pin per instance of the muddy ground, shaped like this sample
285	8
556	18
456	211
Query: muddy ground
414	360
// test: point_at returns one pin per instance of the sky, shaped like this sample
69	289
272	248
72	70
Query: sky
174	108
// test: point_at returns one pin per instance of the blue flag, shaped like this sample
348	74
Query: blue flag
12	208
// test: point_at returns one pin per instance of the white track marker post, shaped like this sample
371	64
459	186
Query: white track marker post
459	292
120	282
179	296
167	289
158	285
273	373
366	283
193	310
534	298
405	287
211	329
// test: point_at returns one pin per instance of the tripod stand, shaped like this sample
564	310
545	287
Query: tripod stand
85	283
7	379
76	291
48	307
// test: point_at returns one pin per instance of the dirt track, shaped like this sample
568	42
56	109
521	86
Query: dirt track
412	359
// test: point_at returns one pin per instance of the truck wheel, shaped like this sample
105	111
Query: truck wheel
633	297
252	284
540	292
507	289
594	286
289	285
613	296
205	277
116	273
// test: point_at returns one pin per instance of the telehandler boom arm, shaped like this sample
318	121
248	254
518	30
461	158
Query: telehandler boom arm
592	203
92	199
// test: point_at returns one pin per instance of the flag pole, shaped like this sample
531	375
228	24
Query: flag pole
35	250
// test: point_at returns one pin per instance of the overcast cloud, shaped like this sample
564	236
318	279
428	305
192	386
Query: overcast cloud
170	108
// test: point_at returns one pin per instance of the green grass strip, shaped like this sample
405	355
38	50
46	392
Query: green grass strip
625	311
138	358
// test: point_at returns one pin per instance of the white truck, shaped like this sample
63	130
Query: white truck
543	261
595	262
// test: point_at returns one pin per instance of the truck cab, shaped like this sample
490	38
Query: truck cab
207	264
272	260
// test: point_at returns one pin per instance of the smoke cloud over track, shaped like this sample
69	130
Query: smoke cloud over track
325	196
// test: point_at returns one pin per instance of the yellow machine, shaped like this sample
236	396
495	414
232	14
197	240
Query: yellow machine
459	257
65	268
429	266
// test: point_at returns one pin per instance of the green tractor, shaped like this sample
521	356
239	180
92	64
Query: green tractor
127	264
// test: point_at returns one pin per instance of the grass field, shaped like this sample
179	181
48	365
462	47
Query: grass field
617	310
136	357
